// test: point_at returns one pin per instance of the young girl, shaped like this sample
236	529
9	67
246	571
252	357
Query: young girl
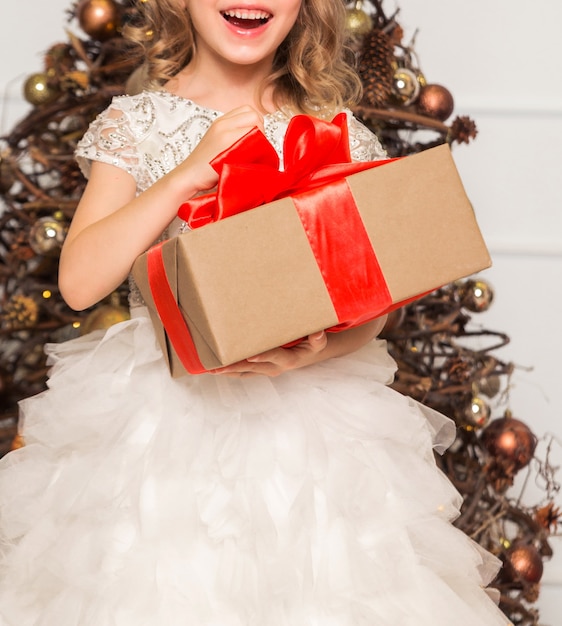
291	489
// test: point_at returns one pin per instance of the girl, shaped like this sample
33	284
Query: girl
293	488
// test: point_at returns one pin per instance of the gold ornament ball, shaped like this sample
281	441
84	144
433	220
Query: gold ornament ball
38	90
510	440
405	86
99	18
435	101
358	22
476	295
477	413
47	236
524	562
421	78
103	317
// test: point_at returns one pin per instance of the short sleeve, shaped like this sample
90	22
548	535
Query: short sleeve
364	144
113	138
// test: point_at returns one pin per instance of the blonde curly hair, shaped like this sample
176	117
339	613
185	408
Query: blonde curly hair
312	69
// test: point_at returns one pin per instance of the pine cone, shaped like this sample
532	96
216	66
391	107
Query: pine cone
376	67
463	129
20	311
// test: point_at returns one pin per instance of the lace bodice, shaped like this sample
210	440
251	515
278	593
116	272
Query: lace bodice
151	133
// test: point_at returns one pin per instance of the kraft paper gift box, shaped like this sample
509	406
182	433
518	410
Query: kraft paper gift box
261	279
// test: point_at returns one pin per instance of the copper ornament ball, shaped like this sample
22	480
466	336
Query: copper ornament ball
100	19
435	101
510	440
524	562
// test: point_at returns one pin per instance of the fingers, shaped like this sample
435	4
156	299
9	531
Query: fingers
313	343
233	374
318	341
244	369
270	363
222	133
231	126
274	362
241	117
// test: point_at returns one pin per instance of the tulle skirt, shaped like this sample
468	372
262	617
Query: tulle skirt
311	499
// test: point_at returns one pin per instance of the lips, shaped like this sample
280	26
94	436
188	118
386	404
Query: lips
246	19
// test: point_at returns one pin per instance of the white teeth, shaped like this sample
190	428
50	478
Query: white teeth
243	14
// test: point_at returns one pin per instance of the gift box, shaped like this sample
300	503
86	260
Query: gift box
335	255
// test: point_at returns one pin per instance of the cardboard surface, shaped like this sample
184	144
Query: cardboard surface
250	283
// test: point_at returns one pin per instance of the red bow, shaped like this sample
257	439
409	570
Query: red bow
315	152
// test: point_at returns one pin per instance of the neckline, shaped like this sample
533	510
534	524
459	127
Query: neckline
281	112
175	96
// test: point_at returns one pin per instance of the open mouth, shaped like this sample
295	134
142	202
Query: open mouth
246	19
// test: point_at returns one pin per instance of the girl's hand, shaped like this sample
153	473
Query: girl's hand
275	362
315	348
222	133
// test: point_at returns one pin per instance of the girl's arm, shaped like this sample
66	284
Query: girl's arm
317	347
112	226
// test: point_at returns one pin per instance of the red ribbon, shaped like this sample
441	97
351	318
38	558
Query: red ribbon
169	312
315	152
316	161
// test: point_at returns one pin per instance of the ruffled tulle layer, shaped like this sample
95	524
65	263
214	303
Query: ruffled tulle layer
311	499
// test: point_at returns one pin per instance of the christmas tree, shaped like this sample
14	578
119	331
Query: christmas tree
443	362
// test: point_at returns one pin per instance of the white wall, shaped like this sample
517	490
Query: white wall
501	60
30	28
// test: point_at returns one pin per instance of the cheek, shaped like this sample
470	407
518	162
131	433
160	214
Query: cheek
292	11
296	8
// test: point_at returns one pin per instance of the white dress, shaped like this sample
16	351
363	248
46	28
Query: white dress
311	499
